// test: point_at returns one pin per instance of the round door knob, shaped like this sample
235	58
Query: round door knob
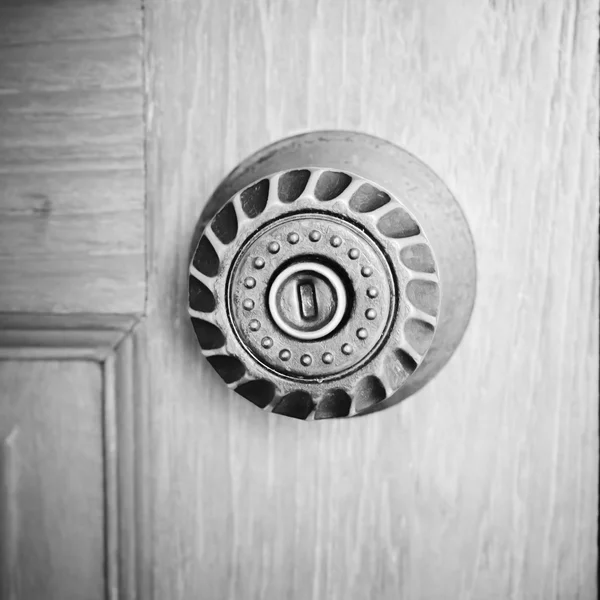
334	276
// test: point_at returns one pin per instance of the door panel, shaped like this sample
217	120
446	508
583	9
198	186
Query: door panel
72	475
483	485
52	494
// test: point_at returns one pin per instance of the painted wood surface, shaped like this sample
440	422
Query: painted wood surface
485	484
51	481
71	157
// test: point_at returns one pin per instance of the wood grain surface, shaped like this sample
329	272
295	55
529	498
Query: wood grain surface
485	484
72	235
51	481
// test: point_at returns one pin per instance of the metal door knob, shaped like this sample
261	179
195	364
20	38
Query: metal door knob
334	276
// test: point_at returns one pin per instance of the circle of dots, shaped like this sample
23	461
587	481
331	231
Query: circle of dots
327	358
259	263
306	360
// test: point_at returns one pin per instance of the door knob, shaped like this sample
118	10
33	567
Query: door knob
334	276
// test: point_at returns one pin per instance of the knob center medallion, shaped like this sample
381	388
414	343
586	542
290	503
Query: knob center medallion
308	308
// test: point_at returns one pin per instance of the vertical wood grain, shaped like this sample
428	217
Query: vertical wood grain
71	156
485	484
53	488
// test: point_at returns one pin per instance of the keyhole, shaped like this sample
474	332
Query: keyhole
308	300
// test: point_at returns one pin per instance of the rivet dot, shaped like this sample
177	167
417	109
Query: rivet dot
366	271
336	241
314	236
273	247
266	342
353	253
285	355
259	262
370	313
362	334
306	360
293	238
327	358
249	282
372	292
254	325
248	304
347	349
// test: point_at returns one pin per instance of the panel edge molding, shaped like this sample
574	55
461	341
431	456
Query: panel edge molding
127	504
10	516
26	336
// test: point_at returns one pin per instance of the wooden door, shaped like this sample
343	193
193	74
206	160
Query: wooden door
127	469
